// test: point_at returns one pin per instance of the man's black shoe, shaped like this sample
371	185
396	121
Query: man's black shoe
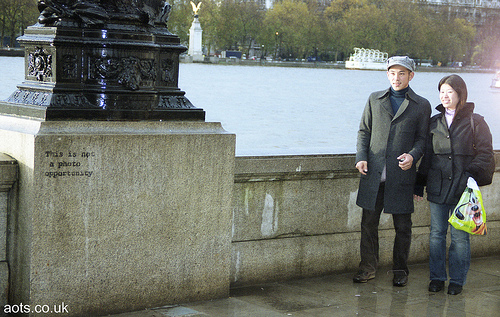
400	280
454	289
363	277
436	286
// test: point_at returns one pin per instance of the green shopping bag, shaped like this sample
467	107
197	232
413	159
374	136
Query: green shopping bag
469	214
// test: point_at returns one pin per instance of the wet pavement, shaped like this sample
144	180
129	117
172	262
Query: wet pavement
337	295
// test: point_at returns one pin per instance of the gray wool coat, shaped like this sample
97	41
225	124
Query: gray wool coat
382	137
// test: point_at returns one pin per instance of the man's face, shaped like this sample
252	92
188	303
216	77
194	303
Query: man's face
399	77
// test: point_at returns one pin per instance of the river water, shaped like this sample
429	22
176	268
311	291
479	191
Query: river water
288	110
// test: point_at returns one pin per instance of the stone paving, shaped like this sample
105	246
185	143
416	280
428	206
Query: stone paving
337	295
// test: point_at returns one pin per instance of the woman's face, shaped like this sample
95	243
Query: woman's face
448	96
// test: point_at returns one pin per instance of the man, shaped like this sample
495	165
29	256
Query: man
391	140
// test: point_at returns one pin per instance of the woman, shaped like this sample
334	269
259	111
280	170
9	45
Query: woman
459	145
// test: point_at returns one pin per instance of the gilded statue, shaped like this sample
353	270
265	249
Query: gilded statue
196	8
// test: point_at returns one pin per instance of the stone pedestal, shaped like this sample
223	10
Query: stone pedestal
195	41
119	216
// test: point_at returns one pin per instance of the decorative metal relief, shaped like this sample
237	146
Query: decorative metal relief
69	67
174	102
45	99
40	64
168	71
95	12
29	97
129	72
71	101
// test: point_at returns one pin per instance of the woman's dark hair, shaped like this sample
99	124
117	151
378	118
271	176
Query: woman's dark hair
458	84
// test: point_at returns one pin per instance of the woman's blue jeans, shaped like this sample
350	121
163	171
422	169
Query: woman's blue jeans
458	253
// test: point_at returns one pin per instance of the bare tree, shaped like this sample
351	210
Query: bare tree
15	16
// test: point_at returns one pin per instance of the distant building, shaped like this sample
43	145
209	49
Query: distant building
265	4
475	11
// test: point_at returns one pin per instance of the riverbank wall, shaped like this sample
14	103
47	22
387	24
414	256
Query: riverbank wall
291	217
296	216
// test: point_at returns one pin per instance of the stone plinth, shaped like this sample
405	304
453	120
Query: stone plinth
119	216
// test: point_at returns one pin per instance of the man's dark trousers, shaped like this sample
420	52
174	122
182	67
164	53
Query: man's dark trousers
369	246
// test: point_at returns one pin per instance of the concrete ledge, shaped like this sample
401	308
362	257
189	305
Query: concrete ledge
280	168
296	216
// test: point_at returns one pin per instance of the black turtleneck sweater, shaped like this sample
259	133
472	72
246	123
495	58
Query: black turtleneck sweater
397	98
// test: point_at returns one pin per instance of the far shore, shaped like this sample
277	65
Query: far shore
19	52
6	51
335	65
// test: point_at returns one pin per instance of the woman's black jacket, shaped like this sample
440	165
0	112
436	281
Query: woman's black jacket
454	154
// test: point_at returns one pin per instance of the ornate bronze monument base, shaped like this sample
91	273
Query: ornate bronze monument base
114	211
120	65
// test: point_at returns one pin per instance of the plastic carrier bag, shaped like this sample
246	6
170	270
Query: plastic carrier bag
469	214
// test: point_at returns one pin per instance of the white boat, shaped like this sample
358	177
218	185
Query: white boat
367	59
495	83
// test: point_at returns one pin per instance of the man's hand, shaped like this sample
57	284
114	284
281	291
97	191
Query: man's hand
405	161
362	167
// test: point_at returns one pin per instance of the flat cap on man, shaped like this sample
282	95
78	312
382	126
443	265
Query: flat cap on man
404	61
